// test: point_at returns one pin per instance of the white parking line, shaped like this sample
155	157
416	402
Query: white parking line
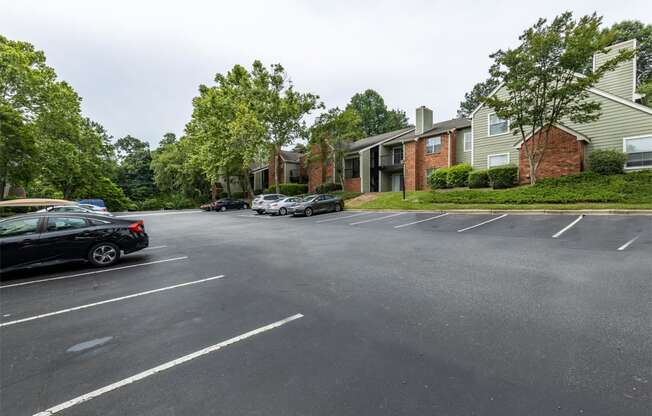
342	218
157	214
417	222
51	279
165	366
377	219
482	223
154	247
568	227
90	305
263	216
629	243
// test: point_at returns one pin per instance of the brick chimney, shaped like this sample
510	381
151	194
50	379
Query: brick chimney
424	119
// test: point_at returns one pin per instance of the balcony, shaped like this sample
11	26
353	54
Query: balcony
391	163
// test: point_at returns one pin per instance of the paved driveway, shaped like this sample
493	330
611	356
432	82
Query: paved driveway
350	314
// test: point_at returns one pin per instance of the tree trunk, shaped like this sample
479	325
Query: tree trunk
3	185
533	172
277	153
247	187
213	191
228	185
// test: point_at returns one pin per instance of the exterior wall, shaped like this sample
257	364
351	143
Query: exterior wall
258	179
622	80
352	185
564	156
417	162
410	157
314	171
460	155
281	171
364	170
616	122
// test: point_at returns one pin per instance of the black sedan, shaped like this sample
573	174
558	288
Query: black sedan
313	204
229	203
45	238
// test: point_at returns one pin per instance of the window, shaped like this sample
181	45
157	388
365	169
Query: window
433	144
397	155
19	227
497	125
60	223
468	141
497	160
428	173
352	168
98	222
639	152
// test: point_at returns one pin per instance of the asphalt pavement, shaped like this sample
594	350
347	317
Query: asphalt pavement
351	313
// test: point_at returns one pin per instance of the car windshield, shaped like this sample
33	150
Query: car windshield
309	198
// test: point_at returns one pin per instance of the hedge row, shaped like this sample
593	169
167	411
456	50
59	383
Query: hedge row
463	175
289	189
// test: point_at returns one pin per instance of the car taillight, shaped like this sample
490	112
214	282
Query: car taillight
137	227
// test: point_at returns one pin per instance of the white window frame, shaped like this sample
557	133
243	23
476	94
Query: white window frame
489	126
441	143
467	149
498	154
644	136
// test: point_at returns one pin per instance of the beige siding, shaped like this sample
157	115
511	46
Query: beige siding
460	155
616	121
620	81
364	170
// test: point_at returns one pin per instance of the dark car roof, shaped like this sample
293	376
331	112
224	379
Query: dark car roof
68	214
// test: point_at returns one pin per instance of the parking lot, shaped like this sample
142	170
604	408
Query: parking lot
349	313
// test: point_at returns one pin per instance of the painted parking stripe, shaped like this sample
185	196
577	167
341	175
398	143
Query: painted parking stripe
157	214
121	298
378	219
417	222
70	276
343	218
629	243
154	247
482	223
165	366
568	227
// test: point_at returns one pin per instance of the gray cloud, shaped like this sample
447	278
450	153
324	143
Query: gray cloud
137	64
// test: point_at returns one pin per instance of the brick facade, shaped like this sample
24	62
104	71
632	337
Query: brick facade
318	173
417	161
270	172
564	155
352	185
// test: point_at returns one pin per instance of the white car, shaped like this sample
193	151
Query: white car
94	208
283	206
261	203
75	208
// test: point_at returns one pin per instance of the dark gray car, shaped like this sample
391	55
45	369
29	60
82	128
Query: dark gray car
314	204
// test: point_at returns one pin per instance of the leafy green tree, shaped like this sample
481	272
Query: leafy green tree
135	175
331	132
542	82
473	98
634	29
17	149
374	115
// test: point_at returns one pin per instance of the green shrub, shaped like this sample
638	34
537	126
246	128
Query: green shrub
238	195
258	191
289	189
478	179
458	175
607	162
166	202
325	188
503	176
438	179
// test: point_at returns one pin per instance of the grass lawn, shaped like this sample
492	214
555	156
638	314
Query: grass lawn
584	191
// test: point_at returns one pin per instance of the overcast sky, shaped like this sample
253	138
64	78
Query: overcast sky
137	64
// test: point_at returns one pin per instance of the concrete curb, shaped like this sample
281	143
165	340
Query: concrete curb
521	211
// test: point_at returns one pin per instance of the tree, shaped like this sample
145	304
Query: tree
634	29
281	109
374	115
173	172
331	133
135	175
542	83
17	149
473	98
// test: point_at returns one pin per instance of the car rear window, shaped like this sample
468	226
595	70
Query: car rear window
270	197
64	223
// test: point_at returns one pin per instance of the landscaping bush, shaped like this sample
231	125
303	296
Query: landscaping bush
607	162
478	179
327	187
438	179
238	195
166	202
503	176
458	175
289	189
258	191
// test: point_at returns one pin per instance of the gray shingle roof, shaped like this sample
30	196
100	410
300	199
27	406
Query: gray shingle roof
441	127
369	141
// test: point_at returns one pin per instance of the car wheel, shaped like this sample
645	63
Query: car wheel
245	206
283	211
222	208
104	254
338	207
308	212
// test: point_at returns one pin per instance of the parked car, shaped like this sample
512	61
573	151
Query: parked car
95	202
95	208
207	207
229	203
283	206
262	202
45	238
313	204
75	208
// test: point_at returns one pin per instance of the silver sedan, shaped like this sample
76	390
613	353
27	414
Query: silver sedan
283	206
